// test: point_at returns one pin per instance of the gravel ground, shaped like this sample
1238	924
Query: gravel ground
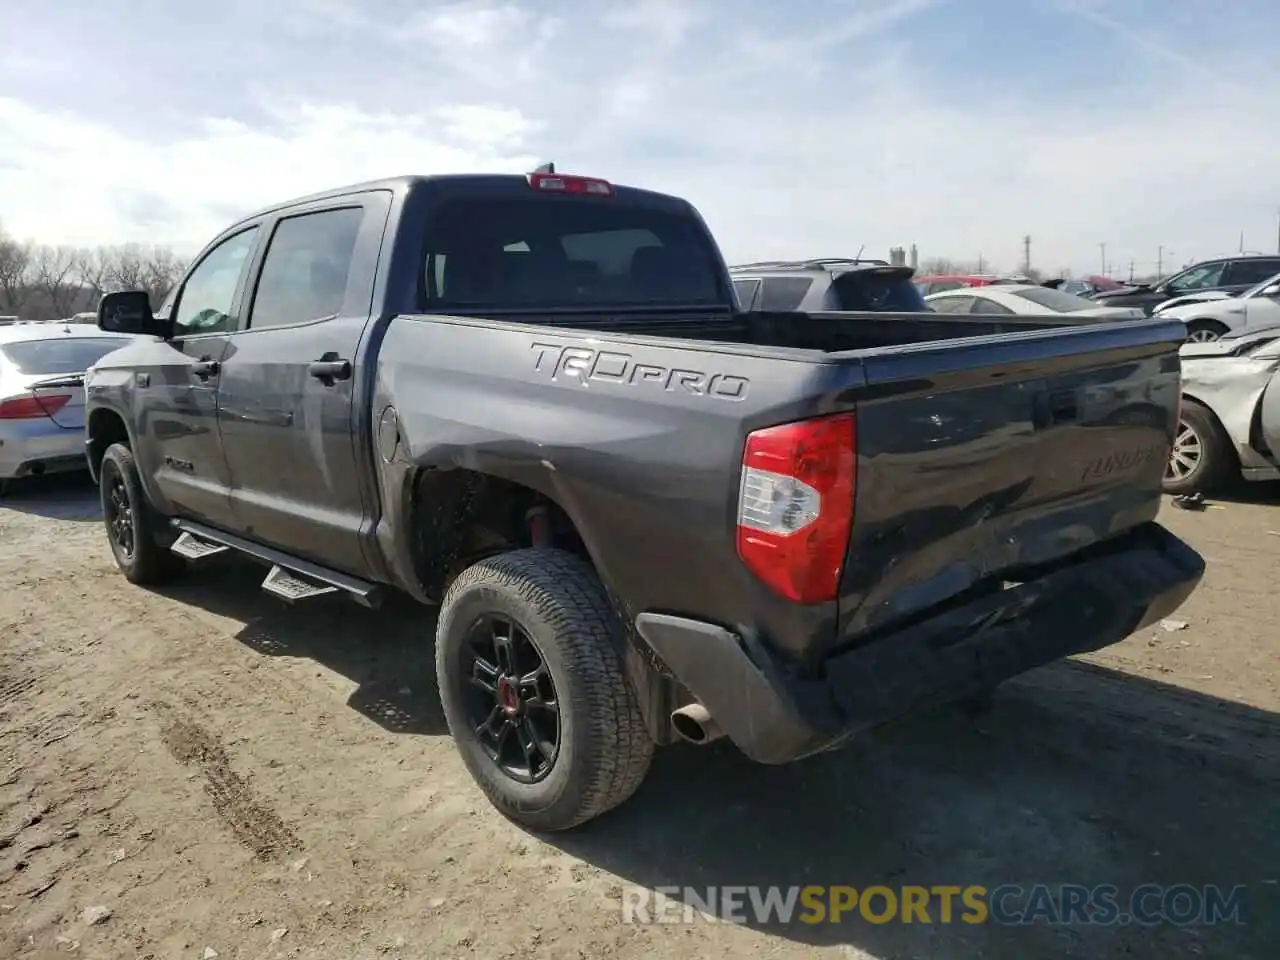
206	771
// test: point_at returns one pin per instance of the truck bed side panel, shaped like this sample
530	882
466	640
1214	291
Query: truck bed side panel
638	439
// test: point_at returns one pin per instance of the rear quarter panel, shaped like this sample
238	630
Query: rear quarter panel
638	439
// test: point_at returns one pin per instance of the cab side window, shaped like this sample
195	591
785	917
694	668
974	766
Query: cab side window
304	274
208	296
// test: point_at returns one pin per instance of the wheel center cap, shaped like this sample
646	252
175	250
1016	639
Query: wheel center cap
508	698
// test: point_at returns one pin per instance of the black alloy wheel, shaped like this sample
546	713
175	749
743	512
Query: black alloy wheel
511	701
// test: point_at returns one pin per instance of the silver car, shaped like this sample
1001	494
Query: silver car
42	395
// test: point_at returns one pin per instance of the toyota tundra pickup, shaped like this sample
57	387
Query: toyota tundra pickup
643	512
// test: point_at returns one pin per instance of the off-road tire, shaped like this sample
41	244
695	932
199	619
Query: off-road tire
605	748
149	562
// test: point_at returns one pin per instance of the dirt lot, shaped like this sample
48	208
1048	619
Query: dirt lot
224	774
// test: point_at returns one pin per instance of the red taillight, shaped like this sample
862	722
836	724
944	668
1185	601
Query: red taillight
564	183
795	505
28	408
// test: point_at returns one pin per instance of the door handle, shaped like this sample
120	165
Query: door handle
204	368
329	369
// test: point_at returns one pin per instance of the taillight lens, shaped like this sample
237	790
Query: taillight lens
795	505
29	408
567	183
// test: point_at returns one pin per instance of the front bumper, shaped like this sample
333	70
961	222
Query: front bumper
775	715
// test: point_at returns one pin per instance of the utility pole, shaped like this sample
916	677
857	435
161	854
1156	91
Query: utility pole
1159	263
980	263
1103	248
1278	231
1026	255
1131	271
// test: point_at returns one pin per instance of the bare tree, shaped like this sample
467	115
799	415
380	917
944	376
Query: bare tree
15	267
53	273
92	268
164	270
127	268
946	267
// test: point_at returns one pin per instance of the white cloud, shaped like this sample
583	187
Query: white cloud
73	180
794	135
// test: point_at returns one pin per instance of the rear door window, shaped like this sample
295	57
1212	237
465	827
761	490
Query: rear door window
1251	271
986	305
746	291
784	293
304	275
546	252
954	304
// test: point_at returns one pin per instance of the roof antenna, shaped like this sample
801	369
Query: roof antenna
858	256
546	168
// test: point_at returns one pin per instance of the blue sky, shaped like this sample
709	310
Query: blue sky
799	130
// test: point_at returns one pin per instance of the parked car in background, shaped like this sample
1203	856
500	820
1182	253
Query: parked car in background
1229	423
1231	275
1086	287
1029	298
1210	319
937	283
42	369
825	285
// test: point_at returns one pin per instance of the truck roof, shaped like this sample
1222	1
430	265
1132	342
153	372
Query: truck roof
405	183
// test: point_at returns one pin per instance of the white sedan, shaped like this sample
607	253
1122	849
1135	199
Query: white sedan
1207	320
42	395
1025	298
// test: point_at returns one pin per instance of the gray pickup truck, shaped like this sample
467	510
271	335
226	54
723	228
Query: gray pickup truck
643	512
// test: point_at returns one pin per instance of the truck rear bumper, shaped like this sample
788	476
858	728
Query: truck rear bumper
775	715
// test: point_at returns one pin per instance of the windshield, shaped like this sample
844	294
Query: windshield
542	252
52	357
1054	300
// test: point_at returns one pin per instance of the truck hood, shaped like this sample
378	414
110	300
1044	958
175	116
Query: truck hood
1198	309
1192	298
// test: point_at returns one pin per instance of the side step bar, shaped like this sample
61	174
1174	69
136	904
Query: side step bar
189	547
291	578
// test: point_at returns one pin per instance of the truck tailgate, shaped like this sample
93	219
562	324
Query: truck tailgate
981	458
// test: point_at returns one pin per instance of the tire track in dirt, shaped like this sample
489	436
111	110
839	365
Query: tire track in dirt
250	820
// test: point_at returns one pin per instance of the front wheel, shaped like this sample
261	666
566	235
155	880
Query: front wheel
531	678
130	521
1201	456
1204	331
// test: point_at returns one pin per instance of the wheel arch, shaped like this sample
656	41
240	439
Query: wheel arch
105	427
454	517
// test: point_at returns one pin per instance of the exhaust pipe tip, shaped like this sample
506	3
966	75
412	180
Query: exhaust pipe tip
694	723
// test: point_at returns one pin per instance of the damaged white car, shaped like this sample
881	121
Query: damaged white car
1210	317
1230	419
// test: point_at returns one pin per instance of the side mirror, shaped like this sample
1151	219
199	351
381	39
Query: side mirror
1271	290
129	311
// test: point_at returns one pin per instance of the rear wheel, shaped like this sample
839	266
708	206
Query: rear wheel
130	521
534	691
1201	457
